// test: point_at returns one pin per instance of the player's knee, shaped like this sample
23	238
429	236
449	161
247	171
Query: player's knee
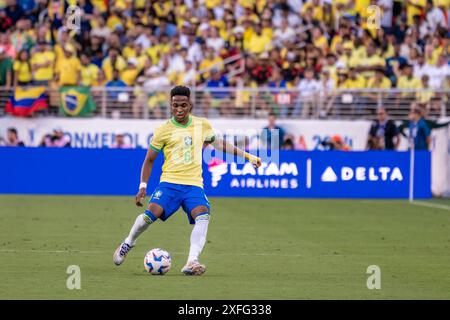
155	209
201	216
200	210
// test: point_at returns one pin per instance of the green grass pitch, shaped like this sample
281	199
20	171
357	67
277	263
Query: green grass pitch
256	249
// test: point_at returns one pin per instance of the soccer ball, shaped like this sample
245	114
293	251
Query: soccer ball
157	261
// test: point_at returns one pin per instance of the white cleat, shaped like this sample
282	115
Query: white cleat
193	268
121	253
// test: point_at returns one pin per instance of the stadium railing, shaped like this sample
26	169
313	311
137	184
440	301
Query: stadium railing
240	102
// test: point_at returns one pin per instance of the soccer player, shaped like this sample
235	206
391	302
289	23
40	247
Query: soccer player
181	139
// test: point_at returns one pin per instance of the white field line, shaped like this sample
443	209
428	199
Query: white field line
48	251
176	253
431	205
209	254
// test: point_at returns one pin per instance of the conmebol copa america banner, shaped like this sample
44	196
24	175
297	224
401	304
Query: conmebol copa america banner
101	133
296	174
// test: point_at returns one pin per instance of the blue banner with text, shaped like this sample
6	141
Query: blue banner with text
302	174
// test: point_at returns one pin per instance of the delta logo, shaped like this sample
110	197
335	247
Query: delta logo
362	174
268	176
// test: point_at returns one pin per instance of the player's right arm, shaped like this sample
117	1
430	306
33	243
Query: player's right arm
145	175
156	146
224	146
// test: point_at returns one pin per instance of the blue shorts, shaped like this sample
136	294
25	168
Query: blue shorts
170	196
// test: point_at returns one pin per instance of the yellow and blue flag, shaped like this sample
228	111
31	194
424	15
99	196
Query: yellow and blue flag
76	101
25	100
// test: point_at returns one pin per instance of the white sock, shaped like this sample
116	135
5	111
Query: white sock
140	225
198	237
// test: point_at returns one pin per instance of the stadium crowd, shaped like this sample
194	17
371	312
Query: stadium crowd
173	42
312	45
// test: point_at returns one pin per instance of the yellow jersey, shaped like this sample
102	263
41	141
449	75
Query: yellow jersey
129	76
68	70
409	83
46	57
258	44
385	83
23	70
89	75
182	148
108	68
415	7
358	83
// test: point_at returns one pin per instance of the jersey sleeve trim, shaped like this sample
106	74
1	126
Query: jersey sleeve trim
210	139
154	148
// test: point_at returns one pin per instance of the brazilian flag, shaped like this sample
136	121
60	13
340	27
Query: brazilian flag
76	101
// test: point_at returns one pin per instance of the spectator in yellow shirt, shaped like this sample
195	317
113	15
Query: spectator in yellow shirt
42	64
128	51
342	76
267	29
425	97
89	71
361	7
131	72
258	42
156	51
135	50
413	8
344	7
113	61
100	5
378	81
210	61
370	62
115	18
101	78
63	40
355	80
22	69
68	68
316	7
319	40
408	81
348	57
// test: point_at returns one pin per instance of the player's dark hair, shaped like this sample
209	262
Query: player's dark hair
180	91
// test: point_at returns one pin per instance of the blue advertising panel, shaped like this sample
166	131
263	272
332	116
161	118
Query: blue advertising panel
316	174
324	174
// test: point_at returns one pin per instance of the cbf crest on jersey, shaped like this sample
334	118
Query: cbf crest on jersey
188	141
